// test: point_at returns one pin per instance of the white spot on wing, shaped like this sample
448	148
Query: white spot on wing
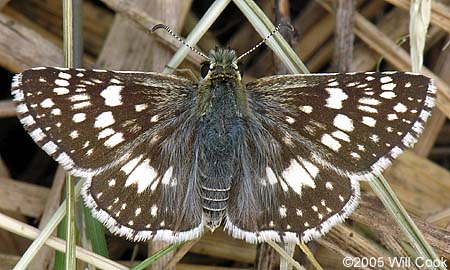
343	122
369	101
61	90
140	107
401	108
306	109
81	105
61	83
80	97
283	211
271	176
74	134
167	176
331	142
154	118
116	81
47	103
388	95
386	79
114	140
369	121
129	166
79	117
138	211
64	75
388	86
375	138
367	109
112	95
311	168
296	177
290	120
56	111
153	210
341	135
142	175
392	116
336	97
104	119
105	133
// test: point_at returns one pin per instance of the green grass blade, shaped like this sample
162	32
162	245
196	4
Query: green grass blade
144	264
71	233
95	233
60	257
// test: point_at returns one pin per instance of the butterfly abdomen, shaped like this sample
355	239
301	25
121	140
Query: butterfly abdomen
218	137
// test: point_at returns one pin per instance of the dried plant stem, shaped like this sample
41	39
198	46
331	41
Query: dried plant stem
7	109
284	255
440	13
180	254
420	11
199	30
406	224
30	232
289	248
310	256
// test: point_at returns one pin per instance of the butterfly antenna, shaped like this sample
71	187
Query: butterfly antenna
165	27
266	38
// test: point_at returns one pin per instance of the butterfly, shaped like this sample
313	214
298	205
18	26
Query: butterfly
165	157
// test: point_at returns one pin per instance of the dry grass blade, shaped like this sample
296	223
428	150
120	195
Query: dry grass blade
183	250
7	109
420	19
440	13
310	256
285	256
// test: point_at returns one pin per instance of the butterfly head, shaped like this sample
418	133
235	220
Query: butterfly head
222	64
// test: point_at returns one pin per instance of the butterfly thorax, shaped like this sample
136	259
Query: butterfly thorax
223	108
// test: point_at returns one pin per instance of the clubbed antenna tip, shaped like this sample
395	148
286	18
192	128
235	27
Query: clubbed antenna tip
159	26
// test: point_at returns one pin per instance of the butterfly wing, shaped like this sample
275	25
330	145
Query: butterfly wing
322	134
126	133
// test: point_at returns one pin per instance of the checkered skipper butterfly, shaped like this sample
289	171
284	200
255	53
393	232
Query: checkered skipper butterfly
278	158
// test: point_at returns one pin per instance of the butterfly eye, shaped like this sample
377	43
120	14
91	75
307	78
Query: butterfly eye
204	69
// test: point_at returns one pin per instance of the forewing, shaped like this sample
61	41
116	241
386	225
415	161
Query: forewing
311	139
353	122
128	133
